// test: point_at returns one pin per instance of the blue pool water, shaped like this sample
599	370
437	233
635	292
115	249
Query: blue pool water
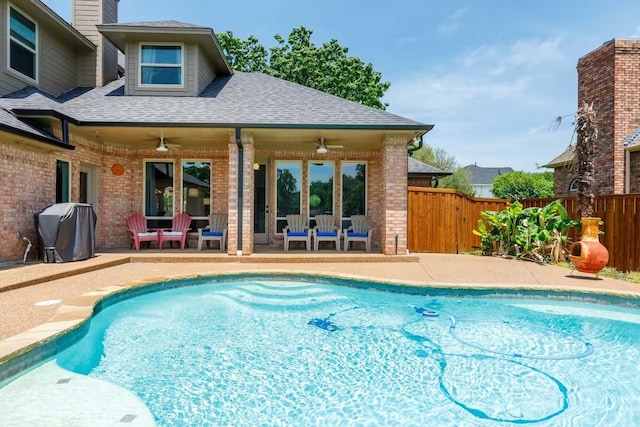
281	353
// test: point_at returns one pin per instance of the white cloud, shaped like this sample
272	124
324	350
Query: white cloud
493	105
452	22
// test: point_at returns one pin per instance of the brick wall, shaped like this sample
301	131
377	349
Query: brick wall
28	176
609	77
562	179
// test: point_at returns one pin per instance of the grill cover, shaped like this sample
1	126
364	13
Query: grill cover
66	232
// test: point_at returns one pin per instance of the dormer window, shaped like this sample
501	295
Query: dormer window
161	65
22	44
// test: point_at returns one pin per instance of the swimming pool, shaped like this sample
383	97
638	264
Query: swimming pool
267	351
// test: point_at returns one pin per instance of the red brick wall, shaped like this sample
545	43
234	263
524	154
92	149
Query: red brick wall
609	77
634	172
562	178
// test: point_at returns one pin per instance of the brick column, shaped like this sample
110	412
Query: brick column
247	196
394	218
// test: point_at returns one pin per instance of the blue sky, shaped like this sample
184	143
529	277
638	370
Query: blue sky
491	75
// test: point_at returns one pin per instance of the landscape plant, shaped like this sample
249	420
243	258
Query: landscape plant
537	233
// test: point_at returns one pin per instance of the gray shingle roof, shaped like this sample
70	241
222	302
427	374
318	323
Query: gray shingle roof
633	139
418	167
11	123
480	175
240	99
565	158
158	24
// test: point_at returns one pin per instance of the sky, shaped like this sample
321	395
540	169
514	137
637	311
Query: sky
490	75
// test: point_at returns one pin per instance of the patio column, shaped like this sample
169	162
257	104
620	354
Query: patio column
246	216
394	218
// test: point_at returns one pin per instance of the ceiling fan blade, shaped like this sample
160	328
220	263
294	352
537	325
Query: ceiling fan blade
334	146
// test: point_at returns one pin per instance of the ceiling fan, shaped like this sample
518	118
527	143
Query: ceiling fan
322	148
162	145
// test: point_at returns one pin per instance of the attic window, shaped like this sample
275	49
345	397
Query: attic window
161	65
22	44
573	187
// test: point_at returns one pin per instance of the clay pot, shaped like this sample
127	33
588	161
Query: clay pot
589	255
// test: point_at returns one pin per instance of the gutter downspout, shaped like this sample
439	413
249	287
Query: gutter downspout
412	149
240	187
627	170
65	131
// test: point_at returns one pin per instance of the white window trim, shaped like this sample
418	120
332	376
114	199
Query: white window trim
280	218
366	187
184	196
144	182
36	52
573	184
141	64
333	205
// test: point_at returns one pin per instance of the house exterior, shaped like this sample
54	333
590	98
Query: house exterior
482	178
421	174
608	77
180	131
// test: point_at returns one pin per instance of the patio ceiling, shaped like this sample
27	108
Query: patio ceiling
280	139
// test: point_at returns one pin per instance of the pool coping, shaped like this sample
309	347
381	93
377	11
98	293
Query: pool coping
25	350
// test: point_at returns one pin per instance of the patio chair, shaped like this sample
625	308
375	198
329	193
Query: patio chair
178	233
326	230
359	231
216	230
137	225
297	230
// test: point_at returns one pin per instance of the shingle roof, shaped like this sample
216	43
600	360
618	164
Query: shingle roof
11	123
633	139
418	167
240	99
480	175
159	24
565	158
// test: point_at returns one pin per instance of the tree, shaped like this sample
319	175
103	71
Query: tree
523	185
587	135
327	68
439	158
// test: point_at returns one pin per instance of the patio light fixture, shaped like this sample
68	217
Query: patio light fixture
160	146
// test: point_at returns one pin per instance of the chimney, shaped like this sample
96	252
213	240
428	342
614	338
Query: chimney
97	69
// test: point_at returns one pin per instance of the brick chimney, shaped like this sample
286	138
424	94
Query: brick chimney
101	68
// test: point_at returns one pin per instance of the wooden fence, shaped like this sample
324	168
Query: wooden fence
443	220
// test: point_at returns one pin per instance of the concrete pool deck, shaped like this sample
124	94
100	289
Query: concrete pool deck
79	284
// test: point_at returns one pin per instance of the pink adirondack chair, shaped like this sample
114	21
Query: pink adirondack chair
178	233
138	227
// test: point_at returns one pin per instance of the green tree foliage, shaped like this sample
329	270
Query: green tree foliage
439	158
353	190
523	185
327	68
288	193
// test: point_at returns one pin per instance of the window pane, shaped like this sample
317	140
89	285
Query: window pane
196	188
62	181
320	189
158	189
354	189
161	55
289	177
22	29
22	60
161	75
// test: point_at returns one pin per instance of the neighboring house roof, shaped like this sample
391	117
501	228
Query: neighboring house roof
567	157
484	176
416	167
242	99
632	141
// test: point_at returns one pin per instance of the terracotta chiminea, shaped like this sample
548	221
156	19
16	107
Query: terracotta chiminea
589	255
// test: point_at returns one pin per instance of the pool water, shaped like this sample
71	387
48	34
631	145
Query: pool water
283	353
